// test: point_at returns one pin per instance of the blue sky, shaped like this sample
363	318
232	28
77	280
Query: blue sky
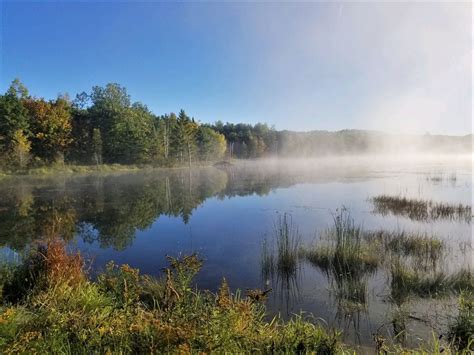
300	66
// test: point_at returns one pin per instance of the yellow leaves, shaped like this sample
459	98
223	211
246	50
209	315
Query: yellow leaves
51	124
102	330
22	345
224	299
7	315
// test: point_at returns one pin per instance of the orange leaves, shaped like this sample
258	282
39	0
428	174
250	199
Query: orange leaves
51	126
62	266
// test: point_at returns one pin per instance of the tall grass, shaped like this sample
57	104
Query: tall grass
267	260
280	259
421	210
280	255
345	254
346	260
425	251
406	281
288	244
462	330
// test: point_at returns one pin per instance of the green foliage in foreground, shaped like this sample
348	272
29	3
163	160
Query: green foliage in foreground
49	305
462	331
62	311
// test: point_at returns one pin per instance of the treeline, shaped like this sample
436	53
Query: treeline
102	126
247	141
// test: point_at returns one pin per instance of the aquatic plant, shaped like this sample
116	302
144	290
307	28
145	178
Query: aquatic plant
422	249
462	330
346	260
345	254
288	243
280	259
407	281
438	178
267	261
280	256
421	210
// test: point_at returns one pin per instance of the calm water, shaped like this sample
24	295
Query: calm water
224	215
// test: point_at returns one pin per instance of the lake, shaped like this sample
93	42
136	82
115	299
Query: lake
226	214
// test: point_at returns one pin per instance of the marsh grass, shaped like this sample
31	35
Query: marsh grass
462	330
345	254
438	178
280	259
63	311
421	210
280	255
406	281
288	244
424	250
267	260
346	260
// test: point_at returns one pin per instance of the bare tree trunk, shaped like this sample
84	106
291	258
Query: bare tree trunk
189	153
166	140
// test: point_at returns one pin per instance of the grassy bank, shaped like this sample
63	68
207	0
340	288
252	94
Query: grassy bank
50	306
67	169
70	169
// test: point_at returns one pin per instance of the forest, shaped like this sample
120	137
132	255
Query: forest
106	127
102	126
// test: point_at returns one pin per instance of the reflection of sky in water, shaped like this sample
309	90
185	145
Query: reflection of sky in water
228	233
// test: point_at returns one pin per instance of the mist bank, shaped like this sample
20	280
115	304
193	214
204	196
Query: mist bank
260	140
362	142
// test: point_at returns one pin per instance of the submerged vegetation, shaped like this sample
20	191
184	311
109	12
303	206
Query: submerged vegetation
421	210
60	310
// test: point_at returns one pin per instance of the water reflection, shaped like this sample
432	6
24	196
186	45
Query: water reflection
108	210
111	209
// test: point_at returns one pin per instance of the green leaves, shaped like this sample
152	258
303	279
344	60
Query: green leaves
103	126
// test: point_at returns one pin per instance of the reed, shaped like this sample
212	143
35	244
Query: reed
462	330
424	250
407	282
345	254
421	210
288	244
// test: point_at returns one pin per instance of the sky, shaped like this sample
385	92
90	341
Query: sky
396	67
